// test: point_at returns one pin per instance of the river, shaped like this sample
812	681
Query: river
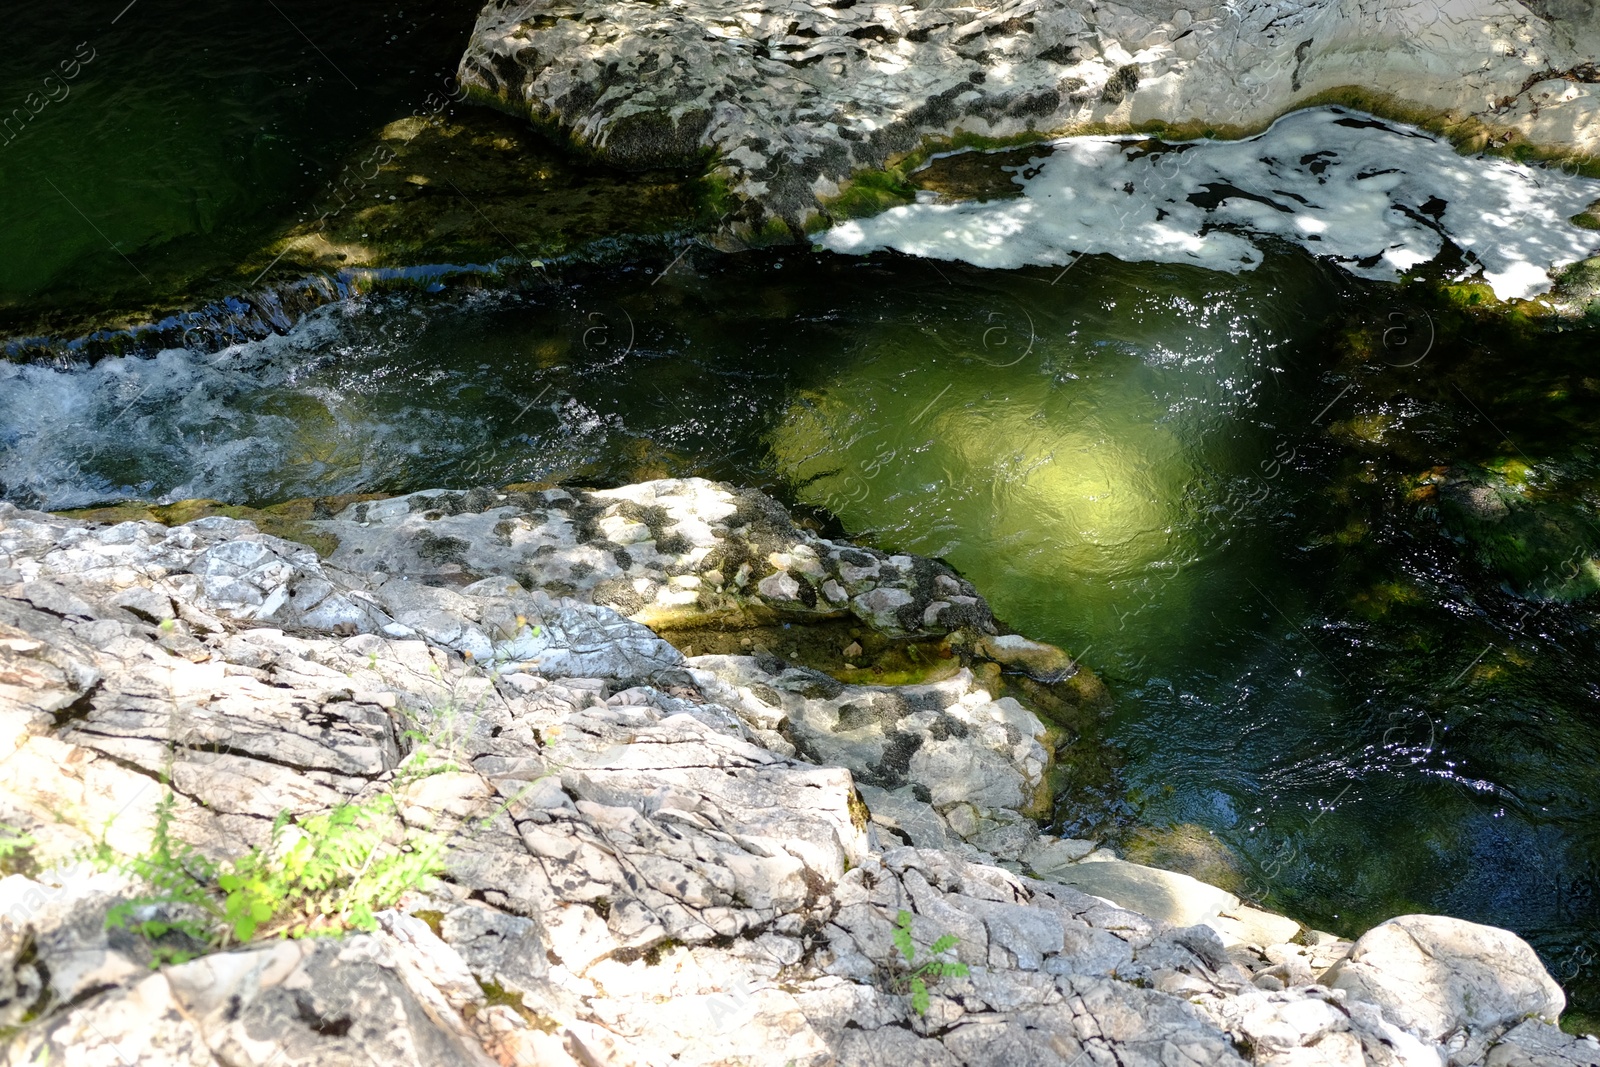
1328	539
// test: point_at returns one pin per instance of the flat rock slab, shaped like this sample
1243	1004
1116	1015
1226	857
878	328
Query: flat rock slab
1165	895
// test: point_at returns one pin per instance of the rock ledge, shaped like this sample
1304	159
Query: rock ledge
653	858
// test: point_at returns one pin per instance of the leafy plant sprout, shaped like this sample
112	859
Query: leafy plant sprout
323	874
917	975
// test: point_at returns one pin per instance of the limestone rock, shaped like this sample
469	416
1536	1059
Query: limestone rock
1435	975
647	859
795	99
1165	895
979	762
665	553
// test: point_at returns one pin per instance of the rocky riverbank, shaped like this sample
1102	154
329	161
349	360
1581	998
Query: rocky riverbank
802	106
648	856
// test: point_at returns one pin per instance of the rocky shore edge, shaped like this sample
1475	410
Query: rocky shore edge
813	112
650	852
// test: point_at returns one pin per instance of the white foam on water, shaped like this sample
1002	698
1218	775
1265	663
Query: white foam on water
233	424
1375	197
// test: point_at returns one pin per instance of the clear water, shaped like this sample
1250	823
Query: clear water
1340	593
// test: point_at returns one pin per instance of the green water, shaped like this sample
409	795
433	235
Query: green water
1377	701
1330	544
191	134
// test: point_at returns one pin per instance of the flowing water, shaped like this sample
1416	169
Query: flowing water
1329	542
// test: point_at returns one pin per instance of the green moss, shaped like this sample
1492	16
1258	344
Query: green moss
542	121
289	520
716	199
496	995
652	955
773	230
860	815
870	192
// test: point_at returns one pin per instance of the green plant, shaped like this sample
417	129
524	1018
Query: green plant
917	975
14	848
321	875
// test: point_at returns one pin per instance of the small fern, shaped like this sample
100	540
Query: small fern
321	875
919	975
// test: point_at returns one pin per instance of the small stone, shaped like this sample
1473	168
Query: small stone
852	651
880	607
779	586
963	819
1040	661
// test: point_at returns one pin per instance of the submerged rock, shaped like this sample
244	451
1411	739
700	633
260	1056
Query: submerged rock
1523	524
468	185
796	101
648	859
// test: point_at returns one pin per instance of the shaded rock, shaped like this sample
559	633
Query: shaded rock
661	553
1164	895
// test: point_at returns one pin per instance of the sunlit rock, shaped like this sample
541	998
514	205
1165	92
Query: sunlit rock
795	101
1376	198
1439	977
638	868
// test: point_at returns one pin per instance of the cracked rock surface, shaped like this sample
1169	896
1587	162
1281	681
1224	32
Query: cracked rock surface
795	97
665	553
650	860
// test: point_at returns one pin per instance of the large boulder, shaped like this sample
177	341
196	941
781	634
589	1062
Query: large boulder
1437	976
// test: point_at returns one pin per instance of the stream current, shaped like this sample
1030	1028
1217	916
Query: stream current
1329	542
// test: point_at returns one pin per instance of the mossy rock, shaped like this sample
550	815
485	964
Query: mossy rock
289	520
478	186
1541	547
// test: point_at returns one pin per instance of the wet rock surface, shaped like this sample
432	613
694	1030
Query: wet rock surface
795	99
650	859
454	187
